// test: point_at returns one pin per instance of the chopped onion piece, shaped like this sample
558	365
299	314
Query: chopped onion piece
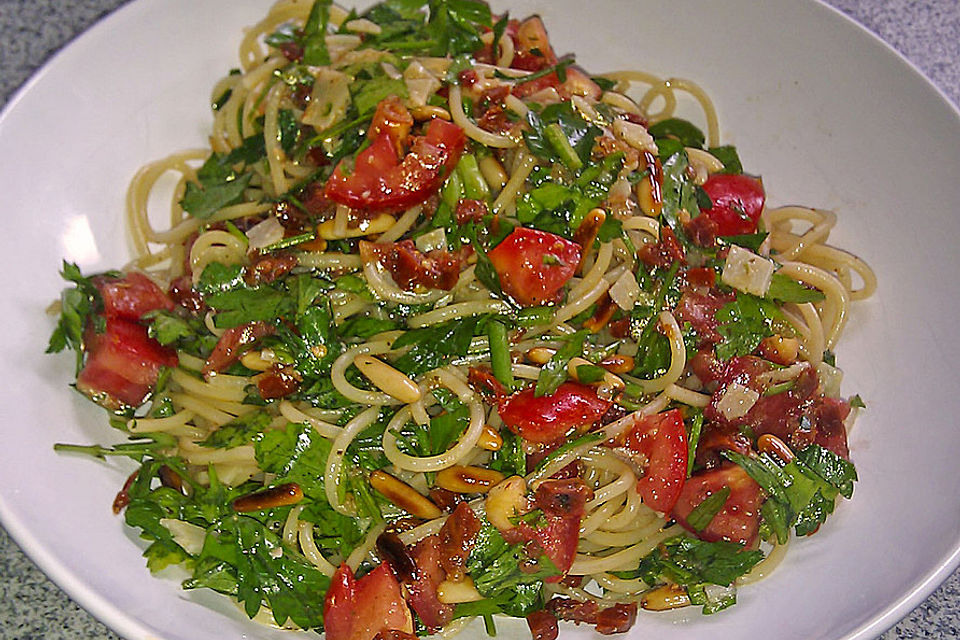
830	379
421	84
189	536
436	239
737	401
625	291
328	100
746	271
265	233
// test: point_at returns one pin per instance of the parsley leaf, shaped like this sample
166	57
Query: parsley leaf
554	372
784	289
217	186
495	565
744	323
435	346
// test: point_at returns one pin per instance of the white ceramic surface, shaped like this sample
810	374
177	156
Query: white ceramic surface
824	111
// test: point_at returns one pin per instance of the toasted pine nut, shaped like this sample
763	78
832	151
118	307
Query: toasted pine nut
609	381
388	379
618	363
648	189
540	355
506	500
602	316
460	479
279	496
429	111
450	592
317	244
774	446
780	349
404	496
254	360
493	173
586	233
669	596
490	439
379	224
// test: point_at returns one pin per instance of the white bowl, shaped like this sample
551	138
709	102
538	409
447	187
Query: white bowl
825	112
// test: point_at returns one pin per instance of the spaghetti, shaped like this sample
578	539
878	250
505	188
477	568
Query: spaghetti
441	310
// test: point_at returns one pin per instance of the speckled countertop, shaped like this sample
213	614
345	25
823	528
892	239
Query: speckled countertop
927	32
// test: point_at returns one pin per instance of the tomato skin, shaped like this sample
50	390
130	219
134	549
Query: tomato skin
533	52
131	297
380	181
738	520
360	609
662	439
122	364
520	261
549	418
737	203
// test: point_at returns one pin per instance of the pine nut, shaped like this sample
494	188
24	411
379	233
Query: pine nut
610	381
490	439
774	446
648	190
493	173
618	363
540	355
780	349
388	379
279	496
428	112
370	227
255	361
506	500
450	592
404	496
586	233
460	479
669	596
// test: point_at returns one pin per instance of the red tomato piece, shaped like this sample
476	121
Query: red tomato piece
549	418
533	52
360	609
534	265
738	520
737	203
662	439
380	181
131	297
122	364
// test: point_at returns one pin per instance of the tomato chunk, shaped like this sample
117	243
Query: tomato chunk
131	297
380	181
738	520
360	609
122	364
737	203
662	440
549	418
534	265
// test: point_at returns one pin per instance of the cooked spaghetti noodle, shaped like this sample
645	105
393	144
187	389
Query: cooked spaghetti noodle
460	318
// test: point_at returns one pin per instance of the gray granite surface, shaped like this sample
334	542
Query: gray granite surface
927	32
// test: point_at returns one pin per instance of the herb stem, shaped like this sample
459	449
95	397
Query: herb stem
500	353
